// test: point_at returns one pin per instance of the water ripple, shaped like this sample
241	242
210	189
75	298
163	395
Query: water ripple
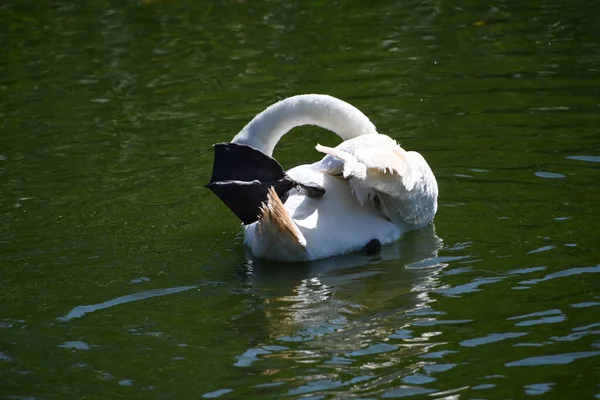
523	271
431	368
537	314
80	311
418	379
585	158
373	349
216	393
543	248
586	304
311	332
546	320
468	287
432	322
484	386
438	354
565	358
578	333
549	175
401	334
326	384
563	273
405	391
78	345
491	338
538	388
339	361
249	356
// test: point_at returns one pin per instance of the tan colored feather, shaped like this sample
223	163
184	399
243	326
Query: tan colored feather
273	212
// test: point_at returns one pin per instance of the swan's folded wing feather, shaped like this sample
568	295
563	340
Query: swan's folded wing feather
372	162
386	160
376	167
351	166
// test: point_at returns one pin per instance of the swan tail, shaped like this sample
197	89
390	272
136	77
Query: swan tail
243	177
275	218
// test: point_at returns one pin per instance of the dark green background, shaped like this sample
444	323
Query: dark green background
108	110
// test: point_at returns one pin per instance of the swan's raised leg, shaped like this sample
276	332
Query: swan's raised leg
242	177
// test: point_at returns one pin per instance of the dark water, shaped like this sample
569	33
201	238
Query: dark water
121	277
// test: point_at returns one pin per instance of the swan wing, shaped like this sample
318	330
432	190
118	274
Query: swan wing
378	153
378	162
376	167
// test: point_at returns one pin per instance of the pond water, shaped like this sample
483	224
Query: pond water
122	277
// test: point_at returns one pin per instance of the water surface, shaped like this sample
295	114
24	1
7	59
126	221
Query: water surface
122	277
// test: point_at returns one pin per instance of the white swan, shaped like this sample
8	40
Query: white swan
373	189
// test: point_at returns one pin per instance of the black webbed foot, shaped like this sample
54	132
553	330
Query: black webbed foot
242	176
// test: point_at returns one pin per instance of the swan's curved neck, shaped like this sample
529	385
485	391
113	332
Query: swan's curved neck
267	128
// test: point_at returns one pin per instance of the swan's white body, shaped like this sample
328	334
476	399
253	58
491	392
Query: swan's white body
374	188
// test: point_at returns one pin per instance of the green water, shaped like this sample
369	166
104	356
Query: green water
122	277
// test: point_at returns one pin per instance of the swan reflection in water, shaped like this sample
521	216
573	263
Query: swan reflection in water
321	300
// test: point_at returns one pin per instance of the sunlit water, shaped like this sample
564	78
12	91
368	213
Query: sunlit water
122	277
